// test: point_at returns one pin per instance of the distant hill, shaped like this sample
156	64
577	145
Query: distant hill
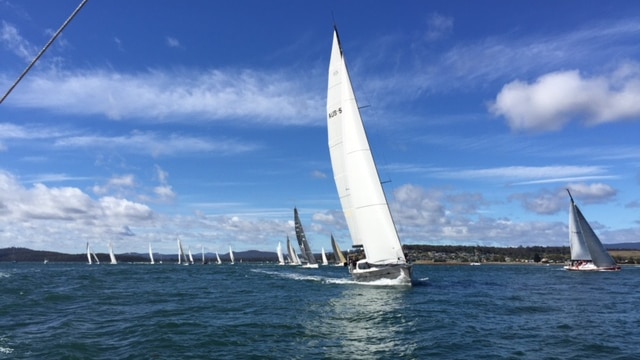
623	246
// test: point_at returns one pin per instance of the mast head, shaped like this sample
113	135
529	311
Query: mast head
571	197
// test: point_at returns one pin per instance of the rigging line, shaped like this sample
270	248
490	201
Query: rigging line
53	38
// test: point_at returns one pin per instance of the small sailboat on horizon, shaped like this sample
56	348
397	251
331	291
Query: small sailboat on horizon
338	256
231	257
362	198
587	252
151	261
112	256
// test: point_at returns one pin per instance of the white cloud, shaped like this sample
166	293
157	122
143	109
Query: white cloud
438	26
172	42
555	99
270	98
529	174
156	144
10	37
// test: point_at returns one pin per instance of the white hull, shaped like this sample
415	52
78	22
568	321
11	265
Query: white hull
401	272
310	266
590	267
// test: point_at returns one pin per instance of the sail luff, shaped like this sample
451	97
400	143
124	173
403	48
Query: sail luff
363	201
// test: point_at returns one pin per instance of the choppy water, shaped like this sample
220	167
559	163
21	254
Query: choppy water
129	311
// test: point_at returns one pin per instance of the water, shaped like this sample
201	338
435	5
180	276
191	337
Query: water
251	311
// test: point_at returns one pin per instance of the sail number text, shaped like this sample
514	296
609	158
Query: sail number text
335	113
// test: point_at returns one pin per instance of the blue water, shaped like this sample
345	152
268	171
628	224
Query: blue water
252	311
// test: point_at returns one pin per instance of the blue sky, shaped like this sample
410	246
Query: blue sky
148	120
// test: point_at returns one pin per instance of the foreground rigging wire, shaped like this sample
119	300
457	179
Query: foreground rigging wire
53	38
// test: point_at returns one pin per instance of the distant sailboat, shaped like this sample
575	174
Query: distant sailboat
182	257
280	254
325	261
587	252
204	260
337	253
89	261
361	195
218	261
233	261
151	255
307	254
190	257
292	253
112	256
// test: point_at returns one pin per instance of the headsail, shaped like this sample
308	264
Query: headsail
337	252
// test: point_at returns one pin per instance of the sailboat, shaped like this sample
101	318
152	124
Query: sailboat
325	261
190	256
182	257
292	253
112	256
337	253
151	255
88	254
307	254
233	261
587	252
280	255
363	201
204	260
218	261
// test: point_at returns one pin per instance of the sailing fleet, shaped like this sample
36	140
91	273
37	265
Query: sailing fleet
377	253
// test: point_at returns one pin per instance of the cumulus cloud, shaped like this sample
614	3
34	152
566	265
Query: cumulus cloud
548	202
555	99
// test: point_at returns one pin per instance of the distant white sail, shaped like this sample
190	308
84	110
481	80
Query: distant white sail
151	254
190	257
112	256
337	253
280	254
218	258
88	254
325	261
292	253
182	257
233	261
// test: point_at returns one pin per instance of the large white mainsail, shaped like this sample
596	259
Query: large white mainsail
363	201
587	251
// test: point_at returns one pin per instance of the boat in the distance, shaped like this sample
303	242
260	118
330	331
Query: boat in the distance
361	195
587	252
307	255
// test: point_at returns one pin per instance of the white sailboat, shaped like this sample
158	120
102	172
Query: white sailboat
361	195
307	254
280	254
204	260
218	261
182	257
151	255
325	261
190	256
233	260
292	253
337	253
112	256
88	254
587	252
